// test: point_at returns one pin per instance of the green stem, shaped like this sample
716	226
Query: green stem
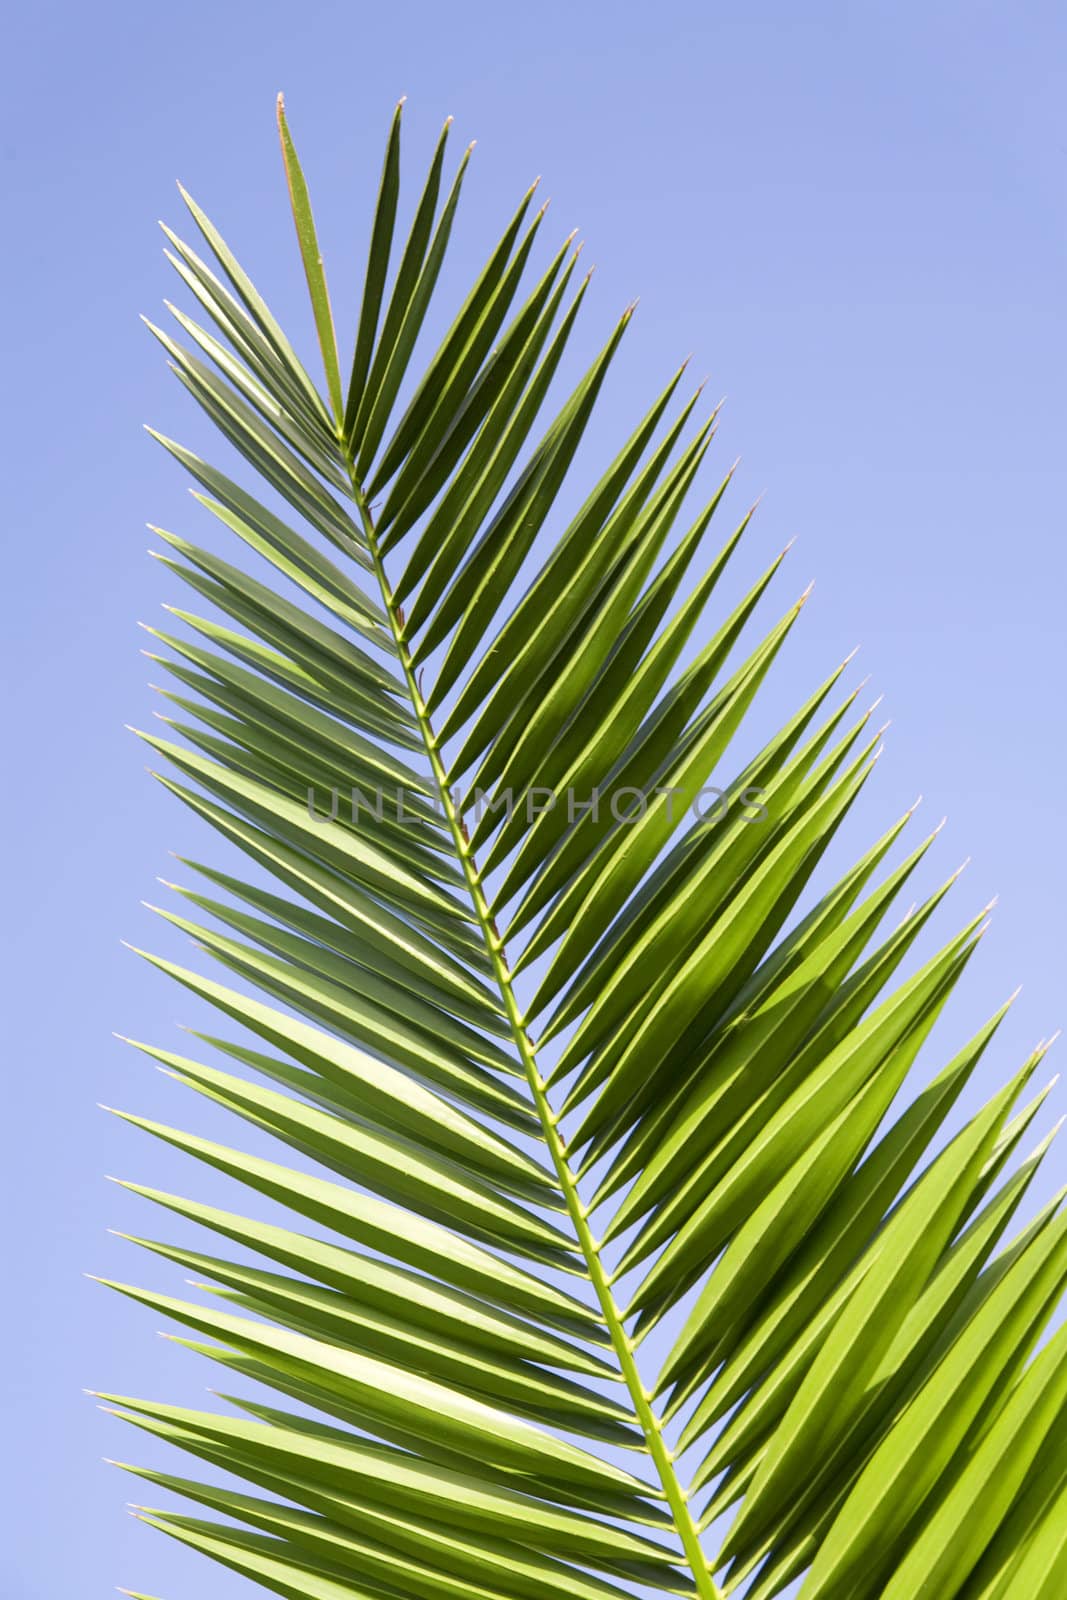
662	1459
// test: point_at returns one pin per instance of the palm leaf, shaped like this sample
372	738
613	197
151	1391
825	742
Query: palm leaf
722	1134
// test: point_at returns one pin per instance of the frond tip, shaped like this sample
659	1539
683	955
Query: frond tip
611	1191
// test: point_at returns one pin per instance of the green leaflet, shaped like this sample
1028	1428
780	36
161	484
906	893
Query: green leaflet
311	1539
243	748
305	439
450	374
312	644
384	1093
662	891
904	1256
479	589
428	468
281	350
384	1162
466	1080
408	305
389	936
318	983
767	1331
928	1432
278	370
656	781
581	628
433	1558
295	729
266	532
393	1397
945	1551
533	629
309	635
532	1392
959	1281
1026	1554
809	1146
733	946
381	1225
381	239
294	823
314	271
395	1480
390	1290
323	692
323	936
747	1065
601	726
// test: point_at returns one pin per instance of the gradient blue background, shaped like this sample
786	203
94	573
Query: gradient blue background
853	216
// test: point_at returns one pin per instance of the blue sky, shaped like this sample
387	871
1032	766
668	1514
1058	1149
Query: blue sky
852	217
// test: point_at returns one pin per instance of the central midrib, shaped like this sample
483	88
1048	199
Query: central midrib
649	1423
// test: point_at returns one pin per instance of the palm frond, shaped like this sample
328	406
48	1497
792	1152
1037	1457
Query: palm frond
460	742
